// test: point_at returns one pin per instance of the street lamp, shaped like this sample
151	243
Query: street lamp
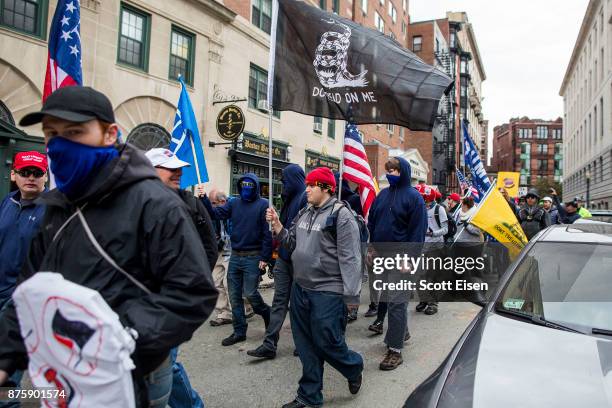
588	190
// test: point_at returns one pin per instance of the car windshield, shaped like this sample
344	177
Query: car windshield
567	283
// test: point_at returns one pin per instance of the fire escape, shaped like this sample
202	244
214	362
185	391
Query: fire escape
444	145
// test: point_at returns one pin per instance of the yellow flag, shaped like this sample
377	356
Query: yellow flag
495	217
510	181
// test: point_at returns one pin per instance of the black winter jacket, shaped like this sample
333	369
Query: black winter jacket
204	226
147	230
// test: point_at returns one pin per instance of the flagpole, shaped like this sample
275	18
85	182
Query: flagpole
271	61
339	187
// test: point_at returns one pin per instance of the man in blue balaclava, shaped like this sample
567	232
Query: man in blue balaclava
251	251
397	215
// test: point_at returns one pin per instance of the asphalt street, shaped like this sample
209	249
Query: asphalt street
228	377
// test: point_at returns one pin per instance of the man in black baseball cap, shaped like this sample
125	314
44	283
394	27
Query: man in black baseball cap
75	104
143	226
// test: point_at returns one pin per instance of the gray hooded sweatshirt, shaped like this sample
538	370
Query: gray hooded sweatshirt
319	262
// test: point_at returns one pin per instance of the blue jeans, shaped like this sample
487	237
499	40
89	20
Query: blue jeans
16	377
183	395
318	322
283	277
243	280
159	384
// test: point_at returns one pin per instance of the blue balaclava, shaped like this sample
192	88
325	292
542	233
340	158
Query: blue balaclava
248	189
393	179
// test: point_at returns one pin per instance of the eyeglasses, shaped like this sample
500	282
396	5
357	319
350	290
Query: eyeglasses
38	173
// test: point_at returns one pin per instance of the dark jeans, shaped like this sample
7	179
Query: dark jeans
243	280
318	323
182	395
283	277
16	377
395	304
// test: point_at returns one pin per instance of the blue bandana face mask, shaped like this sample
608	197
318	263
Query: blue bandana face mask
74	164
393	179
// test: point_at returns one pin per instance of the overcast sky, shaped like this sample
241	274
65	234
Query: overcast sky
525	46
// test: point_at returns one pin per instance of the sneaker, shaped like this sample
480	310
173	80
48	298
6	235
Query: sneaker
249	315
391	361
232	339
262	352
354	386
407	337
352	315
220	322
431	309
421	306
376	327
372	310
295	404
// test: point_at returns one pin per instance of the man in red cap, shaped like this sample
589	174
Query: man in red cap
326	278
20	218
452	202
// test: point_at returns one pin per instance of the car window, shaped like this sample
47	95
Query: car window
602	217
568	283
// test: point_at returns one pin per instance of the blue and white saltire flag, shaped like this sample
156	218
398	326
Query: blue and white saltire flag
186	144
465	185
472	160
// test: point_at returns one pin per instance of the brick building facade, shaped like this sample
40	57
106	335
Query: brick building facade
532	147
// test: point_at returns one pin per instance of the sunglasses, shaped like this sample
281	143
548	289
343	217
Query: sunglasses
30	172
247	184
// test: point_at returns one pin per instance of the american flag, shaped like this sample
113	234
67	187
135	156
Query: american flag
356	167
64	58
466	185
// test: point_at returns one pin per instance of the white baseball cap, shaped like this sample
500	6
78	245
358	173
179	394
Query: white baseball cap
547	199
161	157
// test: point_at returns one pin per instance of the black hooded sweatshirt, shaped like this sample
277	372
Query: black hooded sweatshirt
147	230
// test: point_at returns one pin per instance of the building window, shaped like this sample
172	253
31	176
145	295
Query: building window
405	5
258	89
542	132
437	45
331	129
601	118
323	4
542	148
558	148
364	7
148	136
525	180
379	22
134	38
525	149
556	134
317	125
382	2
401	135
417	43
27	16
392	13
261	16
390	128
464	66
403	27
542	165
525	133
181	55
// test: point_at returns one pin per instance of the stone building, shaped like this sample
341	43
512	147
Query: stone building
587	110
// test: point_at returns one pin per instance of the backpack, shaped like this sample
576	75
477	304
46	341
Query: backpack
331	227
451	224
